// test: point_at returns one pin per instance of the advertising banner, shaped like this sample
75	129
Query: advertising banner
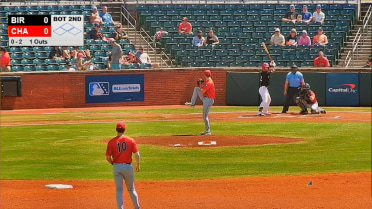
114	88
342	89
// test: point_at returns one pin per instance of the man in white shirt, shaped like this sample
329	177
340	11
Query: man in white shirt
277	38
318	15
143	57
68	67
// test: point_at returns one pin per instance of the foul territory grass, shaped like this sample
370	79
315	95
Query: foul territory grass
77	151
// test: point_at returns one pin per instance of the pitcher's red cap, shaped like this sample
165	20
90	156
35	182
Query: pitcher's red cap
120	126
207	72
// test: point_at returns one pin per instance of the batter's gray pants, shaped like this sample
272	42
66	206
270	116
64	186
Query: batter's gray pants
207	104
124	172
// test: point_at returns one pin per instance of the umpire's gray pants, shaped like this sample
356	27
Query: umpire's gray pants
207	104
124	172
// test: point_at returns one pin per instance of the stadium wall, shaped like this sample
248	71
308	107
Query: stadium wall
163	87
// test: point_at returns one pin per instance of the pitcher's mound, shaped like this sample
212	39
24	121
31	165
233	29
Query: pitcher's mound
218	141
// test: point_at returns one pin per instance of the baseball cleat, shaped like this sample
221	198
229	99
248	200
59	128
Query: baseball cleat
323	111
206	133
303	112
314	112
189	104
260	113
267	113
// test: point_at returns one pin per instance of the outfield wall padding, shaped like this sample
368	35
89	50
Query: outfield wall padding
365	87
242	88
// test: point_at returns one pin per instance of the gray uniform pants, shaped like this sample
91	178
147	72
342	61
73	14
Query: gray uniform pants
207	104
124	172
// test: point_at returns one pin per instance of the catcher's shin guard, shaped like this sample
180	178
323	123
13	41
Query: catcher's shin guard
302	104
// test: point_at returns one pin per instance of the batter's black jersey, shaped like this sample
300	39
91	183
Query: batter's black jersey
265	78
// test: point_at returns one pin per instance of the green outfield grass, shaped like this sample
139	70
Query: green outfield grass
77	151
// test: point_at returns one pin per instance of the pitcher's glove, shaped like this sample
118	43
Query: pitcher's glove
199	82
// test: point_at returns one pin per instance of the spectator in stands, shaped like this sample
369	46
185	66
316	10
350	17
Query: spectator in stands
306	15
130	59
277	38
94	17
292	38
185	27
318	15
119	33
142	56
80	61
117	54
68	67
291	16
212	38
76	51
304	39
108	64
55	53
320	38
95	33
106	17
321	60
5	60
198	40
66	53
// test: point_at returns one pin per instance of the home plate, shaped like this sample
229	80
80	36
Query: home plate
207	143
58	186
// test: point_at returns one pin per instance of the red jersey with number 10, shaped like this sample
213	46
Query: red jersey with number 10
210	92
121	149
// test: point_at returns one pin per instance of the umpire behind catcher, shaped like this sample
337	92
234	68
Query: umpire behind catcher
292	86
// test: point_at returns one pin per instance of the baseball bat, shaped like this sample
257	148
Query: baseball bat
267	51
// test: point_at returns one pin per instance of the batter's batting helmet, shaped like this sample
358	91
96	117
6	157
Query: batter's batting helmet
265	66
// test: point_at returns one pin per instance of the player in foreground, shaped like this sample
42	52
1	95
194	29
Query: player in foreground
264	88
119	153
207	94
307	99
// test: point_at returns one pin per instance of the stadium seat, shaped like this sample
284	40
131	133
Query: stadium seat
212	12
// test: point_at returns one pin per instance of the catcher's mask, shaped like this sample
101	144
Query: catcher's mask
265	66
306	86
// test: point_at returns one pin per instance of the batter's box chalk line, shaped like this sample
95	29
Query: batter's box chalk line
58	186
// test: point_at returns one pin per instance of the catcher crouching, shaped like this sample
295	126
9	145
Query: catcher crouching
307	99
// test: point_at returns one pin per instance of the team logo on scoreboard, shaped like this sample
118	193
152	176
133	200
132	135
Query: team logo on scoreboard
99	88
67	27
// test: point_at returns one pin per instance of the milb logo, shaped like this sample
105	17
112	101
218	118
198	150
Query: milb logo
99	88
350	89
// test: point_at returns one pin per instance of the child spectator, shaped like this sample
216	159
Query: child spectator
185	27
76	51
292	38
5	60
277	38
198	40
321	60
369	62
106	17
320	38
304	39
94	17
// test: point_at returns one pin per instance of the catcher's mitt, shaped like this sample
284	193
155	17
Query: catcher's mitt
305	95
199	82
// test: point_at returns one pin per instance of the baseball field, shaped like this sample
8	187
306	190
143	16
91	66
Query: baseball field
277	161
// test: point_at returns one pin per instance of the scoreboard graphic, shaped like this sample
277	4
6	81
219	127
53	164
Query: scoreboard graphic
46	30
